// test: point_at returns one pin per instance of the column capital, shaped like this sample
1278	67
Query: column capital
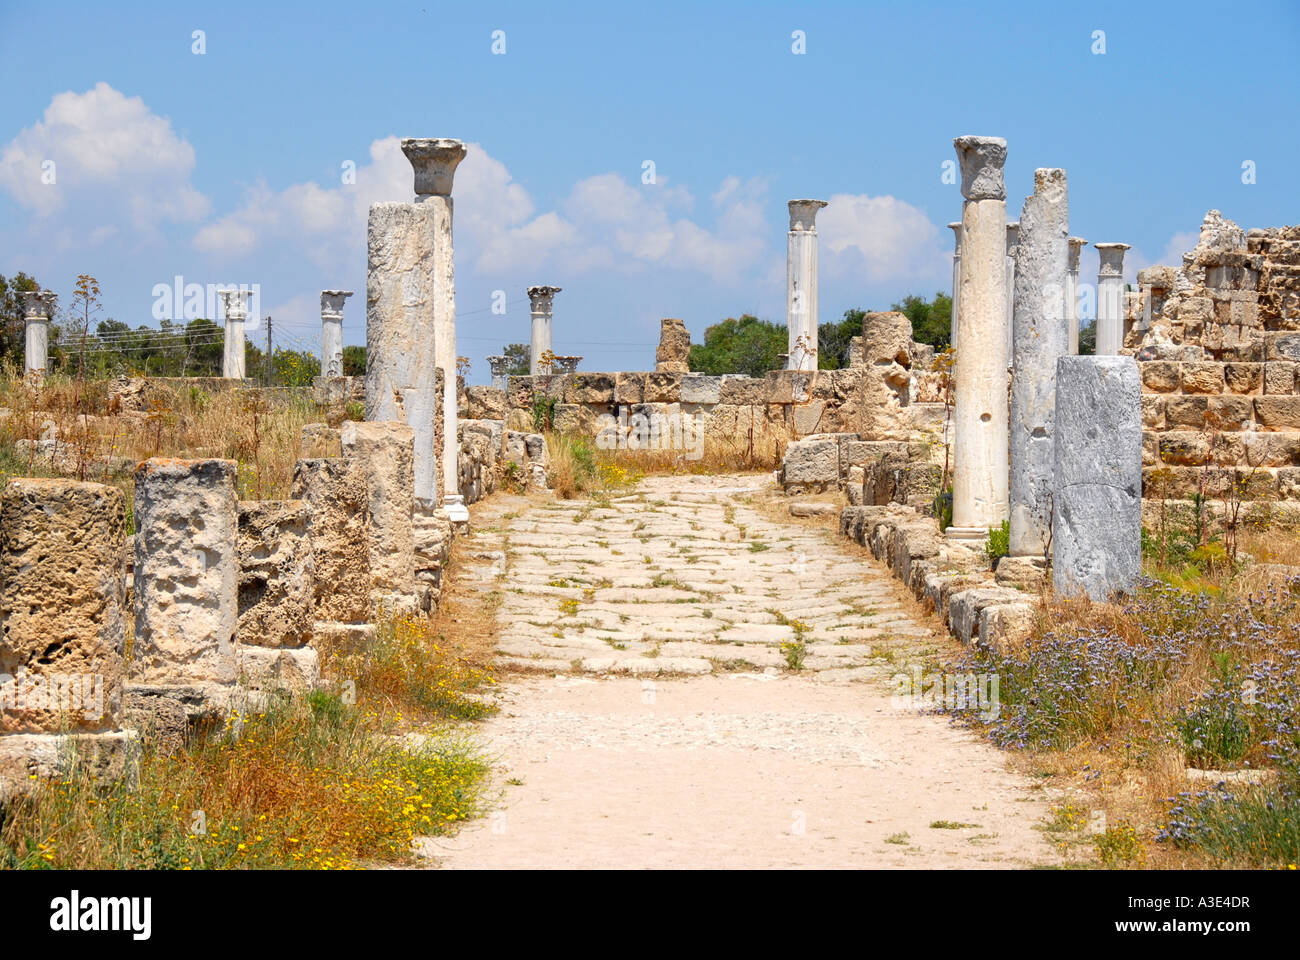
235	303
37	304
1013	237
1076	247
955	227
498	365
803	215
981	160
435	160
540	297
1112	259
331	303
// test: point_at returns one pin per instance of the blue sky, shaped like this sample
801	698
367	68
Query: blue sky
227	166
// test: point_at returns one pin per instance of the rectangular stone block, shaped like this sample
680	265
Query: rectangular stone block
338	503
62	606
1278	412
743	390
663	387
591	388
700	388
1244	377
186	572
1160	376
629	388
1204	377
276	574
1183	411
383	451
1153	412
1279	377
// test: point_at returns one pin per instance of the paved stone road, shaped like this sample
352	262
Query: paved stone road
660	724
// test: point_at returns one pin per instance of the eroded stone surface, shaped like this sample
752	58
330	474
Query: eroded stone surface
338	502
276	574
383	451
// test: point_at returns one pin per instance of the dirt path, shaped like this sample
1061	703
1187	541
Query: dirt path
660	724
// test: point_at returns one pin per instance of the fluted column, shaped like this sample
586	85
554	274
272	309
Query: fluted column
331	331
1076	245
1110	298
955	227
1041	338
801	284
540	301
235	305
980	408
37	307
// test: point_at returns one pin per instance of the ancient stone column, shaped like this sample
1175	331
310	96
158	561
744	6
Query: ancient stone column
331	331
411	312
37	307
1013	241
63	606
801	284
337	493
673	354
1110	298
1097	485
235	303
186	581
980	407
500	370
276	596
955	227
540	300
1076	244
1041	338
384	452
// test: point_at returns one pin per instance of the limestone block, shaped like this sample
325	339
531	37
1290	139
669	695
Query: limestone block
485	403
592	388
811	462
1161	376
1025	573
807	416
1153	412
629	388
1202	377
28	759
1278	412
268	668
699	388
1285	346
1096	543
966	606
62	604
1244	377
1183	411
1279	377
663	387
383	450
743	390
338	503
186	572
277	580
887	346
1003	626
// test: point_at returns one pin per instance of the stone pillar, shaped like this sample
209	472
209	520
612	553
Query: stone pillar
500	370
955	227
1013	243
411	310
186	581
1097	485
1041	338
980	408
1076	244
63	606
276	591
1110	298
37	307
384	453
674	352
801	284
540	300
235	304
331	331
337	495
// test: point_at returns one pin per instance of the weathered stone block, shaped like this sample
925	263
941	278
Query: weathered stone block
1161	376
743	390
1244	377
592	388
699	388
663	387
1204	377
62	606
629	388
338	502
1278	413
276	574
383	451
1097	482
674	352
1279	377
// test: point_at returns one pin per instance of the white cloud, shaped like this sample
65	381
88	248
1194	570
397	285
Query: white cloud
114	160
883	238
1179	244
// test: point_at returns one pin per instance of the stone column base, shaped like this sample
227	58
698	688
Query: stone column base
169	714
342	637
967	535
27	759
279	668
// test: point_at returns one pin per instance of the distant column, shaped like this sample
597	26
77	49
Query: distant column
331	331
235	304
1110	298
540	301
37	306
1013	243
980	414
801	284
1072	292
500	370
955	227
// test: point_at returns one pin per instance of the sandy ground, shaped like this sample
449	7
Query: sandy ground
652	734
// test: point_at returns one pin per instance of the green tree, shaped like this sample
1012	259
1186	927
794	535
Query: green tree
1088	339
747	345
931	319
354	361
517	355
12	342
835	337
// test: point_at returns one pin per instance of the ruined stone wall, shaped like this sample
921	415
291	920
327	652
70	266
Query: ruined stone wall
1218	345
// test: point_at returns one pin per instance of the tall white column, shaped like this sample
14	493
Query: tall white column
1110	298
235	305
801	284
411	316
1013	241
1072	292
980	409
540	301
331	331
955	227
1041	339
37	307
